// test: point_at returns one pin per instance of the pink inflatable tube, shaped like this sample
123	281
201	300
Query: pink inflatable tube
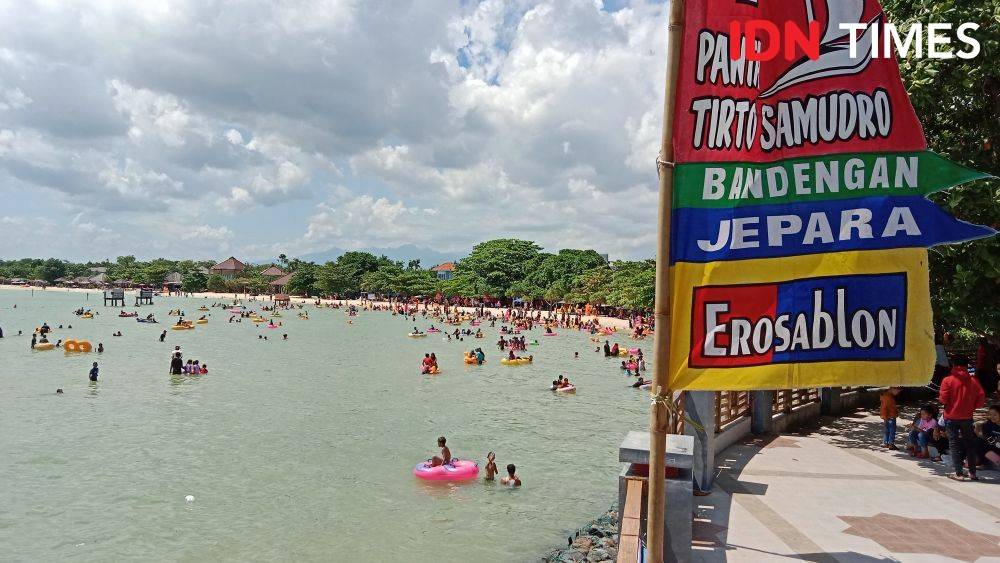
457	470
549	334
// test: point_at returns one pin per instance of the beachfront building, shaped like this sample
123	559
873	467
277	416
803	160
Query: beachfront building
173	282
229	268
278	285
272	271
444	271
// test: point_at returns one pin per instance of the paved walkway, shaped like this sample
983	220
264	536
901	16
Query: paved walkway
829	495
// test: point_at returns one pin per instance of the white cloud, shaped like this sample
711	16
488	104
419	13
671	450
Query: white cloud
437	122
153	115
13	98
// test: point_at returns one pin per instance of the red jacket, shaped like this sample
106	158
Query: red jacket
961	394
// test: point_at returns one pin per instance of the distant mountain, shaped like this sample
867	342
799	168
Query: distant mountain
404	253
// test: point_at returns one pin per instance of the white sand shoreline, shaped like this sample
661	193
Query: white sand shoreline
604	321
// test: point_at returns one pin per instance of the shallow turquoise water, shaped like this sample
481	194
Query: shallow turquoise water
295	450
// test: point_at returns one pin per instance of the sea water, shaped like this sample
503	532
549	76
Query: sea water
293	450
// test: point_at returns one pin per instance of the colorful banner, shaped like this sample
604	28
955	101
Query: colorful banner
800	223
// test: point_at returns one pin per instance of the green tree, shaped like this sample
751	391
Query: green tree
494	267
50	270
592	286
153	272
217	284
124	268
195	281
958	103
550	276
303	281
633	285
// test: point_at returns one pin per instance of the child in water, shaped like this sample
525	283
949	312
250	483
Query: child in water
445	457
491	466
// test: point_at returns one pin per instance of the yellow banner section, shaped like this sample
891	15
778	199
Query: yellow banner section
806	327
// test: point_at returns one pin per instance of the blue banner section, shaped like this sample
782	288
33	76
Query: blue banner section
768	231
860	317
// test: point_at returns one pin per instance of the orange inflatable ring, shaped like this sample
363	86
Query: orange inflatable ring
71	346
84	346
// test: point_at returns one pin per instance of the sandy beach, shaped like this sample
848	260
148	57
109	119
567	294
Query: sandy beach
604	321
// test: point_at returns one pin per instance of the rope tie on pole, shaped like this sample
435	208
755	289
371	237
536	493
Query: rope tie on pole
668	403
661	164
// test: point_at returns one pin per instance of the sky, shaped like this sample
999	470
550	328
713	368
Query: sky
204	128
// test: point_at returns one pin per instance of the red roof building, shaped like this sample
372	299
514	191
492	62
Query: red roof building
278	285
444	271
228	268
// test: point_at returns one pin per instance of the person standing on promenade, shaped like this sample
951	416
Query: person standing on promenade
961	395
888	412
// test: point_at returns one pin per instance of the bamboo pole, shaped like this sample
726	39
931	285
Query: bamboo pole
659	417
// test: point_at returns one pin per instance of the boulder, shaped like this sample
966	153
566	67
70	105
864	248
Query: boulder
598	554
583	544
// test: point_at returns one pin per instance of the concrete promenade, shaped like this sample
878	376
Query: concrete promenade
829	494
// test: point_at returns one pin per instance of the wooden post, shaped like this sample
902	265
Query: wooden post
659	418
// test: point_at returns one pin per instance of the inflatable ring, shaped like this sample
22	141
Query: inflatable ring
515	362
570	389
457	470
202	321
84	346
43	346
71	346
86	316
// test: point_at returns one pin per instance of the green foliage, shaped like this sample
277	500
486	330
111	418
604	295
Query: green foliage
633	285
195	281
550	276
500	268
217	284
303	281
495	268
154	272
50	270
626	284
346	275
958	103
591	287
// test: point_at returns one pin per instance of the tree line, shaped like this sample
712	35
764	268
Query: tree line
503	269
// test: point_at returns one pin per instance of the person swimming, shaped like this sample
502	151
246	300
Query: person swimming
512	479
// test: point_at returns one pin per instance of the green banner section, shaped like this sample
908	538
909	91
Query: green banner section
827	177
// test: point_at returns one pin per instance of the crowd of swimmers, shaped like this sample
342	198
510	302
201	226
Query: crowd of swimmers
179	367
513	343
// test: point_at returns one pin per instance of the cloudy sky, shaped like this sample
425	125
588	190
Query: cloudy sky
203	128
